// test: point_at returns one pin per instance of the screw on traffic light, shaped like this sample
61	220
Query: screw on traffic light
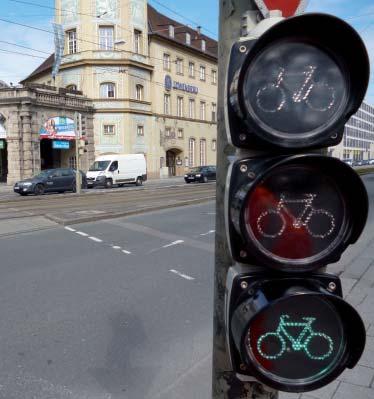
289	213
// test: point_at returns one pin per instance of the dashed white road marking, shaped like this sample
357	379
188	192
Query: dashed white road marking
209	232
95	239
173	243
70	229
126	252
116	247
182	275
82	234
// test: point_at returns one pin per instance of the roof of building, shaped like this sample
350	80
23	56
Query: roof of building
158	25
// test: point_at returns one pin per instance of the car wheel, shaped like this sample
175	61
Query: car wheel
39	189
188	182
205	179
109	183
139	181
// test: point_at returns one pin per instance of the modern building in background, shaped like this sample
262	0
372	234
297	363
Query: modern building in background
152	81
358	142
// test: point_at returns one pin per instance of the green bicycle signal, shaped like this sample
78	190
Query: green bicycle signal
301	343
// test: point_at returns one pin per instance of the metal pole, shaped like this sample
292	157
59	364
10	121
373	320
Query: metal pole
78	134
225	384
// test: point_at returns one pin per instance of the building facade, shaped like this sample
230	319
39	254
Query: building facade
152	81
358	140
29	119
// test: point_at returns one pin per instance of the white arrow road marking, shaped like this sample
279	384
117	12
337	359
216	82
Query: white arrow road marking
209	232
173	243
95	239
82	234
70	229
182	275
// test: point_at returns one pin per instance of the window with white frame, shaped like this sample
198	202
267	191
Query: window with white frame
107	90
73	162
171	31
191	108
202	152
191	152
167	109
140	130
72	41
167	62
109	130
202	110
214	112
180	133
138	39
106	37
139	92
203	45
168	132
214	145
188	38
202	72
191	69
214	76
180	106
179	63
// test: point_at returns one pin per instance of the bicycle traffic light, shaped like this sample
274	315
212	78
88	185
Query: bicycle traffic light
306	86
289	213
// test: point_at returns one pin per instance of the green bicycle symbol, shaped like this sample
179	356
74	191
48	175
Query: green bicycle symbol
301	343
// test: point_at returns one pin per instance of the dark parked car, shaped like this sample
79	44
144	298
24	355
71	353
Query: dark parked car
201	174
50	180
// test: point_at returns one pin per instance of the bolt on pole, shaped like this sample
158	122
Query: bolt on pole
234	16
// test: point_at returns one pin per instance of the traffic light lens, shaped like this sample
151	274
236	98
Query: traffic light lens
298	338
298	88
295	214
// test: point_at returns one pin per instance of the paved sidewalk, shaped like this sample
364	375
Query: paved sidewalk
357	273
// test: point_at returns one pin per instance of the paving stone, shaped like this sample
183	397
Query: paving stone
326	392
357	268
348	391
347	284
360	375
286	395
367	358
370	330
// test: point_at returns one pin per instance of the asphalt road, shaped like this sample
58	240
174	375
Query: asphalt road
114	309
120	308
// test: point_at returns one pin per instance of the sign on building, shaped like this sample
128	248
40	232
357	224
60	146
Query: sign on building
59	127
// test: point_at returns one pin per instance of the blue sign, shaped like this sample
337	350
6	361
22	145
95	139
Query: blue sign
60	144
169	84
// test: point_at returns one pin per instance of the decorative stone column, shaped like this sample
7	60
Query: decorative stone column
27	141
14	145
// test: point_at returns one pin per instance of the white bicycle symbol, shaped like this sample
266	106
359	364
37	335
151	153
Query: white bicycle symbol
302	220
309	91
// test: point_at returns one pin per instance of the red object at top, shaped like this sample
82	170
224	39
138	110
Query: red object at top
288	7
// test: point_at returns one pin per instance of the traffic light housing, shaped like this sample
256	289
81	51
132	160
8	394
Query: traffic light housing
290	212
306	88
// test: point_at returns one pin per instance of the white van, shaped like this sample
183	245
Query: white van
119	169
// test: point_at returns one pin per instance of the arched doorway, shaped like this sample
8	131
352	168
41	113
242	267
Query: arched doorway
172	161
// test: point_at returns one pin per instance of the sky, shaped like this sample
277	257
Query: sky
15	67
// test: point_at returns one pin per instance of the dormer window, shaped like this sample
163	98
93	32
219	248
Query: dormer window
188	39
171	31
203	45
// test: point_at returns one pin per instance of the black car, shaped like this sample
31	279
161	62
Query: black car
50	180
201	174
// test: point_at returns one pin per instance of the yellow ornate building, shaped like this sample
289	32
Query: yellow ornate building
152	81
